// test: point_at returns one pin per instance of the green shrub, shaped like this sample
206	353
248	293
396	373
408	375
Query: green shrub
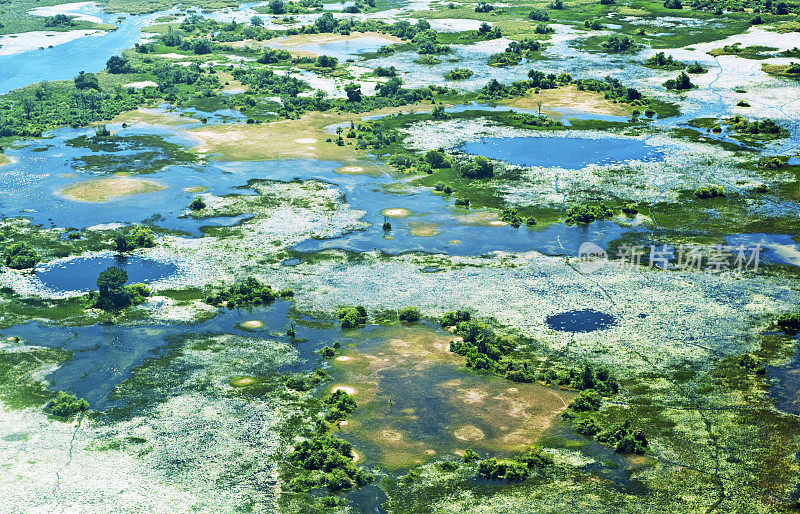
409	314
459	74
197	204
789	323
20	256
352	317
453	318
710	191
66	405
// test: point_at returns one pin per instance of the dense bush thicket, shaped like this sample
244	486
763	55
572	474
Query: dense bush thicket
249	292
20	256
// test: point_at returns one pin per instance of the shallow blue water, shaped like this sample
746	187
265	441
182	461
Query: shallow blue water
31	186
65	61
565	152
454	237
104	355
80	274
349	49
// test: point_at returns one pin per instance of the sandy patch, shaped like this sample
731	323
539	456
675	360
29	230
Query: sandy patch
305	140
103	190
242	382
421	229
278	140
497	223
72	9
5	159
572	98
469	433
344	358
391	435
195	189
395	212
253	323
478	218
292	43
25	42
141	85
351	169
152	118
347	389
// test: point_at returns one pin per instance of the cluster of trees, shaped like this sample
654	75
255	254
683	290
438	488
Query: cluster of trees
718	7
538	15
514	53
459	74
594	25
664	62
709	191
517	468
29	112
113	294
751	364
696	68
271	56
306	382
515	219
197	204
495	90
624	438
352	317
680	83
21	256
767	127
613	90
475	168
140	237
340	405
249	292
617	44
533	120
332	459
66	405
789	323
480	345
59	20
409	314
584	214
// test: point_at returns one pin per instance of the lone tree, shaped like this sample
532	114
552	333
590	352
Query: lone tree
87	81
114	294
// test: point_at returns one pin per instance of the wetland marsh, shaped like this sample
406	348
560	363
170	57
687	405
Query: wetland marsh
399	256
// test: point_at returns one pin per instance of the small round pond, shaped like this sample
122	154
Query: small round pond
80	274
565	152
582	320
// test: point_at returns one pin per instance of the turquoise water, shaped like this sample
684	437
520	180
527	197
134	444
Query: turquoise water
564	152
67	60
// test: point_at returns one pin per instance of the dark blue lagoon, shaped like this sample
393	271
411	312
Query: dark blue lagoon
582	320
80	274
564	152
